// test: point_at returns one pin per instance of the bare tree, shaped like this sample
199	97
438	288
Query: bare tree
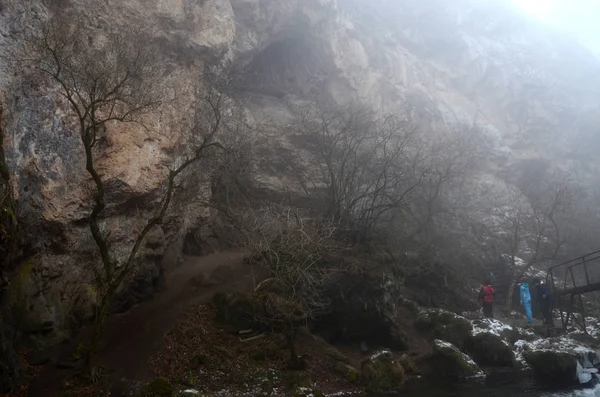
363	162
299	254
436	203
117	80
535	228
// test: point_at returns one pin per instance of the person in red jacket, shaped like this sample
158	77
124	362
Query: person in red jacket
486	299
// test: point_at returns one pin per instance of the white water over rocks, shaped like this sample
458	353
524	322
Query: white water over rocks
592	392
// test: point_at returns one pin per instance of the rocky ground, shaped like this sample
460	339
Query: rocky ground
193	340
202	356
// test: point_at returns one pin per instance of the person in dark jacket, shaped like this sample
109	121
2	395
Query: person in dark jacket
544	294
486	299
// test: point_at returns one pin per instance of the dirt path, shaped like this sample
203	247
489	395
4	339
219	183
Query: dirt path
132	338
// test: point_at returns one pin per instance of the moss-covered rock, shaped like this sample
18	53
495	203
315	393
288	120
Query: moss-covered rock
552	367
348	372
336	355
490	350
295	380
161	387
444	325
381	372
189	379
449	362
410	367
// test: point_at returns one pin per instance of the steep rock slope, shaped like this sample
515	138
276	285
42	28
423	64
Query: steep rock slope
535	93
469	61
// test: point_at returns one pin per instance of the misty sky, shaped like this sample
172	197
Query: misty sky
579	18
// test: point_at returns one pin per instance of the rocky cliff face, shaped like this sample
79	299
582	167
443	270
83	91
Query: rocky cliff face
535	93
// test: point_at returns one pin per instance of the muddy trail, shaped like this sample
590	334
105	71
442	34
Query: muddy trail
133	337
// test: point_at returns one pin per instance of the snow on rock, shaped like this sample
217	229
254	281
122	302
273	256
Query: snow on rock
536	273
343	393
491	326
469	367
519	348
586	357
306	392
526	333
592	326
562	343
444	325
503	330
379	354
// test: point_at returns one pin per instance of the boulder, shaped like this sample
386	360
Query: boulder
492	326
368	313
491	350
560	361
449	362
336	355
381	373
189	379
444	325
408	364
552	367
161	387
349	373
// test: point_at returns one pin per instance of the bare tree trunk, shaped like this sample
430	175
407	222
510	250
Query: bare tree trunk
510	294
513	284
295	361
97	333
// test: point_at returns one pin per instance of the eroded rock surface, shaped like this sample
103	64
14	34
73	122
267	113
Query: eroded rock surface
535	94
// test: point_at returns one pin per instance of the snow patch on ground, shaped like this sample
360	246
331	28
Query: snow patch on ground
528	332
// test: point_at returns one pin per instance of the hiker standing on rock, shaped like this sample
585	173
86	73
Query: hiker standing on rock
526	301
545	296
486	299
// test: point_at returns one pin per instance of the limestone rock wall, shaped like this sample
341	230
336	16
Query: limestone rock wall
536	93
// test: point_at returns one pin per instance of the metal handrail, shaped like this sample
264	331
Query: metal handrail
581	258
568	266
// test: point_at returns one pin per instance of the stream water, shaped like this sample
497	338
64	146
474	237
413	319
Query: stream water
506	384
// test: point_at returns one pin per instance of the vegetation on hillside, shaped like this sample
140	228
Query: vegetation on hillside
382	210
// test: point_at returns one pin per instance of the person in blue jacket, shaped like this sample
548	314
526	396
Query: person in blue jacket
526	301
